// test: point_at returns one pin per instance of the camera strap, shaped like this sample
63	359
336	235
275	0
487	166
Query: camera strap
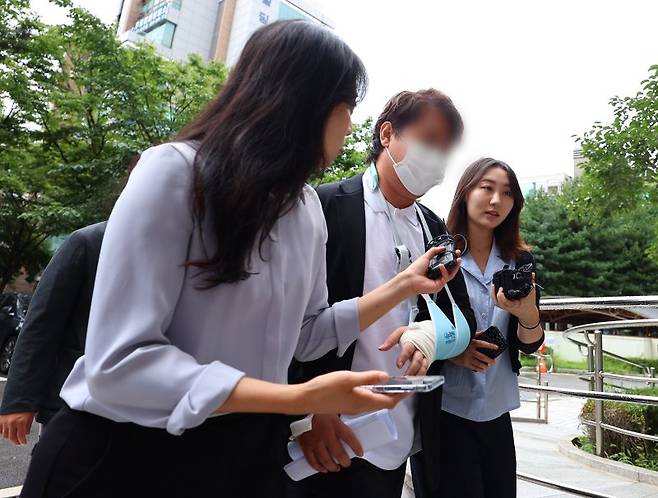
428	236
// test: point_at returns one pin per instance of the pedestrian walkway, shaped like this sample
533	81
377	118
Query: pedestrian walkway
537	453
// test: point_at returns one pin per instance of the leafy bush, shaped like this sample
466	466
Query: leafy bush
637	418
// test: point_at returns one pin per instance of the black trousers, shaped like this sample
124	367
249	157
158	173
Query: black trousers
478	459
360	480
85	456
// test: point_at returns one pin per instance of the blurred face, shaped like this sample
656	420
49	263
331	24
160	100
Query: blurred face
490	200
337	128
430	129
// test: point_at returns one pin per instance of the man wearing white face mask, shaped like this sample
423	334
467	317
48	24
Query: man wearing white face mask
375	226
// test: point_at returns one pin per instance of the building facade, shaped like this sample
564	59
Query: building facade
550	184
214	29
578	162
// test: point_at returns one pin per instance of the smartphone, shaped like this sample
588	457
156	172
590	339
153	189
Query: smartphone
494	336
408	384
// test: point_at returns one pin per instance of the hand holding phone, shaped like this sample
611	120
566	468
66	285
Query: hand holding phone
408	384
494	336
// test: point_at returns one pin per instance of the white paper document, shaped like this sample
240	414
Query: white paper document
372	429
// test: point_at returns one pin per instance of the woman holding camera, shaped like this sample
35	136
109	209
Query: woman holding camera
477	450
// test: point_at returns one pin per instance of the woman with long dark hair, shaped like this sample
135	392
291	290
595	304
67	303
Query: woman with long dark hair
477	444
211	278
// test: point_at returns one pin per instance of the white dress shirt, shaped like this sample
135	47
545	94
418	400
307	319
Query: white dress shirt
380	266
161	352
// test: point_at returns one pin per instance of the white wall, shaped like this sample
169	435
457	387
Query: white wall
195	32
245	21
636	347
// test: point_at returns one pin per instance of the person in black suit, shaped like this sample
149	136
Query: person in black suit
372	220
53	336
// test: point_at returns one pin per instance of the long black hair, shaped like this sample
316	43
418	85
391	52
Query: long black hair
261	138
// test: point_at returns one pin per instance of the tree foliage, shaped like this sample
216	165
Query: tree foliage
577	257
75	107
621	172
352	159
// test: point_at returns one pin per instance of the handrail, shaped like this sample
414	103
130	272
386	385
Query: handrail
595	354
548	483
593	303
607	325
598	395
636	378
619	430
596	374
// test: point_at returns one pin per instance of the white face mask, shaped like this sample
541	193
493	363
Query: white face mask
422	168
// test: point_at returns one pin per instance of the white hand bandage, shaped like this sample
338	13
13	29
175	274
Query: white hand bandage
299	427
423	336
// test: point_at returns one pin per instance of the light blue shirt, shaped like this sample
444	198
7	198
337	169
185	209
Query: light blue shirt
482	396
160	351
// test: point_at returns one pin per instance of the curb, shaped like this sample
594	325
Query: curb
621	469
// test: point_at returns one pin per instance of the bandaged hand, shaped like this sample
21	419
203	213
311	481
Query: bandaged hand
418	361
422	336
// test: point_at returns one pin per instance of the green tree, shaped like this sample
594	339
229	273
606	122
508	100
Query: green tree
621	172
76	107
564	258
578	257
352	159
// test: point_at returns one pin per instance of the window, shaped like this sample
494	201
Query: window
163	34
287	11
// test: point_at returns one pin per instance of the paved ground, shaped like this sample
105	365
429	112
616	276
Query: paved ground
537	449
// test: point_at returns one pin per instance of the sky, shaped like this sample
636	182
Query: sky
525	75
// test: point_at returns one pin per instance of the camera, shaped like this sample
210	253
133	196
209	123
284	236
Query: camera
516	282
447	258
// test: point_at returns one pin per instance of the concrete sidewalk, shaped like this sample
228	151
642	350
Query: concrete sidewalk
537	453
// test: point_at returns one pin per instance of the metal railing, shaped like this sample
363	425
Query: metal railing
597	303
541	401
549	483
596	374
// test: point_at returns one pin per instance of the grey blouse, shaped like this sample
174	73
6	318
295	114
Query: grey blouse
162	353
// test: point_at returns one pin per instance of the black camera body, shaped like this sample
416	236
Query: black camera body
516	282
447	258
